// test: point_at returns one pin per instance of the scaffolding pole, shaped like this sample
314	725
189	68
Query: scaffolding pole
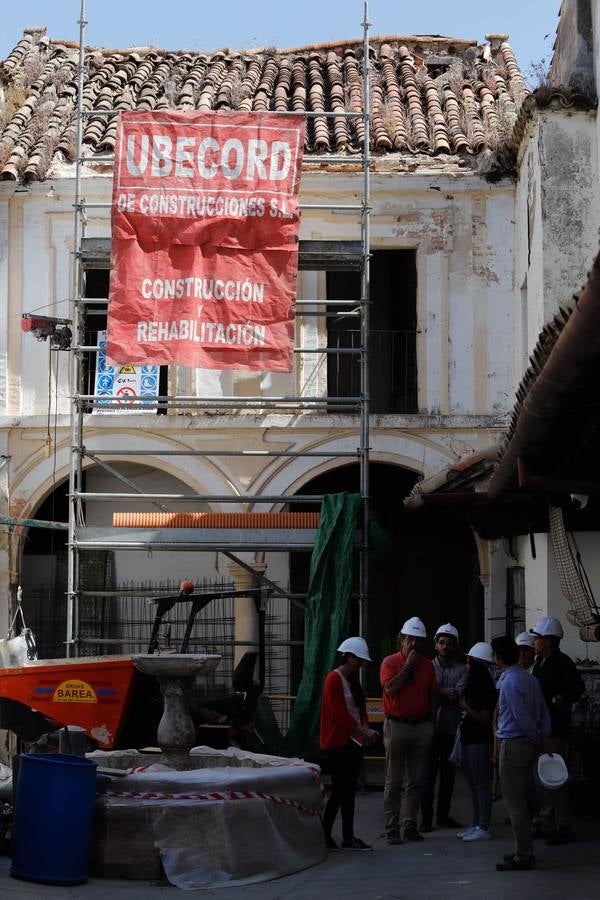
81	401
75	467
364	338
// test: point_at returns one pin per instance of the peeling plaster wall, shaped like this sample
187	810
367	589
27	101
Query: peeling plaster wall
596	55
570	203
461	228
572	61
557	220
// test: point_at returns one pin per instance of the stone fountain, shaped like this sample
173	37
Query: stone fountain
208	818
175	672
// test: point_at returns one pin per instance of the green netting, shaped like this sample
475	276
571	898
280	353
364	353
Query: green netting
327	617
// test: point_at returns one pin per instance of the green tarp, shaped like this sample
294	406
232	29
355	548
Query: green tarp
327	617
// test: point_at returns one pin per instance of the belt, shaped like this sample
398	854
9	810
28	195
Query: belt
408	721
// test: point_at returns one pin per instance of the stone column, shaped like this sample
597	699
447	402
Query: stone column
246	626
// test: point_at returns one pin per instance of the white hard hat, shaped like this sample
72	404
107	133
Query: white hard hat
483	651
525	639
413	627
357	646
548	626
552	770
447	629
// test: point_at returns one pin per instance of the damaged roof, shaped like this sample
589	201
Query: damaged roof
430	95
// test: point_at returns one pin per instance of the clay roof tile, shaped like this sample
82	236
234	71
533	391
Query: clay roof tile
429	94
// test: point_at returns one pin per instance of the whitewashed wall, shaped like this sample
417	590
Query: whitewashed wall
461	228
462	232
542	589
557	220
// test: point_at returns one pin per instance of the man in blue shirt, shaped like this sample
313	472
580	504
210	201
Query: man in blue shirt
522	730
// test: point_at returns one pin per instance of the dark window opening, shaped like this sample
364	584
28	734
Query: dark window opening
96	286
393	333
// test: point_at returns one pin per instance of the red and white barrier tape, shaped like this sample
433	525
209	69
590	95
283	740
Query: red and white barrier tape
314	770
217	797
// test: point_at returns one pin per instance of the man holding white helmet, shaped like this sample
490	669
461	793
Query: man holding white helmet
561	686
522	731
409	689
451	677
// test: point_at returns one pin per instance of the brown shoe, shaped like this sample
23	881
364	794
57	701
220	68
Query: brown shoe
394	838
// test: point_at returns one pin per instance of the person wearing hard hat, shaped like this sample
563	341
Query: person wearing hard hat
343	733
409	690
561	686
524	642
522	730
476	738
451	677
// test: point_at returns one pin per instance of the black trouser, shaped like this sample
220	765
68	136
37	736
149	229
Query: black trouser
441	748
344	765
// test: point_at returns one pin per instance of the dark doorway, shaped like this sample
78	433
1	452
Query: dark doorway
393	333
44	576
432	572
44	582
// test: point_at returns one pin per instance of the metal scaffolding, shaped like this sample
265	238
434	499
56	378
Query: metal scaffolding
314	255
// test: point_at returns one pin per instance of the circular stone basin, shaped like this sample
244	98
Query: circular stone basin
176	665
233	818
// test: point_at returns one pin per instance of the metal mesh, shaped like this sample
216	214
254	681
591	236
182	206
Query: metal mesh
127	626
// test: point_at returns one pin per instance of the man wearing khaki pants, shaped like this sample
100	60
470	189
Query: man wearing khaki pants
522	730
409	688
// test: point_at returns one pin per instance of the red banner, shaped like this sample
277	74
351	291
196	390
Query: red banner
205	239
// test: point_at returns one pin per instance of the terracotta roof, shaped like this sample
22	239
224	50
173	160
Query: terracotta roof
548	97
430	95
539	356
469	473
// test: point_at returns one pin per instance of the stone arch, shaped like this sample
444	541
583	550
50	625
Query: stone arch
410	452
36	480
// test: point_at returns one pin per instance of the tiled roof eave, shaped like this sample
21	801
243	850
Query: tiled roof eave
558	99
431	96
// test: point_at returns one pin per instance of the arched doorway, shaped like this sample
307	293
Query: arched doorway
43	570
417	568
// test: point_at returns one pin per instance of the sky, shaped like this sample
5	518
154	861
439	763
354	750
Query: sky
243	24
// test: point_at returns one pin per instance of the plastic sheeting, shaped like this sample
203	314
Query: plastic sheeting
327	616
214	827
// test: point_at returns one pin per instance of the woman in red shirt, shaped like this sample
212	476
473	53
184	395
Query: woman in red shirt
344	732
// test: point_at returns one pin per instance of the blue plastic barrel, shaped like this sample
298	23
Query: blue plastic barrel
54	812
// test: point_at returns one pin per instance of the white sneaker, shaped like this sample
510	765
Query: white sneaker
477	834
462	834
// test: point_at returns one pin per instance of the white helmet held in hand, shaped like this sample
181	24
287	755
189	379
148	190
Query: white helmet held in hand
548	626
552	771
448	629
482	651
525	639
413	627
357	646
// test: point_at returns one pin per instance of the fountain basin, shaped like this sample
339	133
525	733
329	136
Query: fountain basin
235	819
176	665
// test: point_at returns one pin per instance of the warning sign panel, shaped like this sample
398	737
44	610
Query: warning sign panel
205	224
123	384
